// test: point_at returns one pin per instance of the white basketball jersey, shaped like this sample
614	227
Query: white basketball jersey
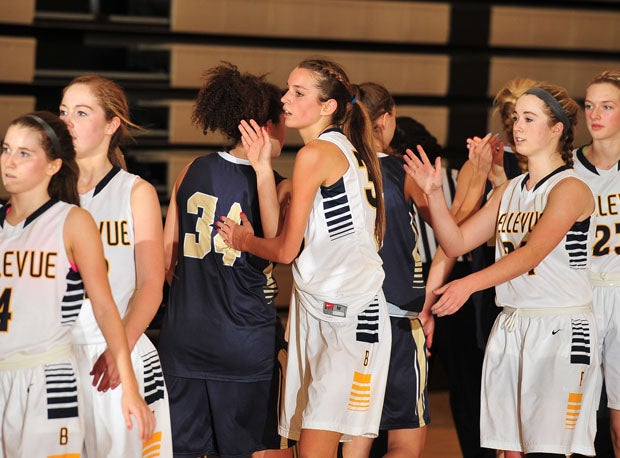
563	273
40	294
605	185
339	265
110	205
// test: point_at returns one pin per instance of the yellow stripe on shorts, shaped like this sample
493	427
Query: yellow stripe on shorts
573	407
359	398
152	447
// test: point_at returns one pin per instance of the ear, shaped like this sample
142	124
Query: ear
329	108
112	125
54	166
557	128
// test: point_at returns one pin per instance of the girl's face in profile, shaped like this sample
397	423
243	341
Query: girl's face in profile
301	101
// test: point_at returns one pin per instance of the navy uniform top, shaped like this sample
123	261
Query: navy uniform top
404	280
220	321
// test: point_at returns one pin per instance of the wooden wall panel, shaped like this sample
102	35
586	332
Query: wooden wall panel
555	28
18	12
572	74
17	55
400	72
381	21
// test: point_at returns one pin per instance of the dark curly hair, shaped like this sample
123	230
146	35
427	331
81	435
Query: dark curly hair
63	185
229	96
409	133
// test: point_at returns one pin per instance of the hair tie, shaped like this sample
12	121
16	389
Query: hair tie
49	131
552	103
354	99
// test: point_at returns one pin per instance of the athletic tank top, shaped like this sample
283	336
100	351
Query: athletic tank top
561	279
110	205
339	264
40	294
404	280
220	320
605	185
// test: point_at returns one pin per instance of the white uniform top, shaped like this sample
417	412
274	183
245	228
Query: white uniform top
339	263
110	205
605	185
561	279
40	293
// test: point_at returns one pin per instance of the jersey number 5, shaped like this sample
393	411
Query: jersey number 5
198	245
5	309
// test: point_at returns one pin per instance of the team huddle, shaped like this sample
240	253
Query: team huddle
84	259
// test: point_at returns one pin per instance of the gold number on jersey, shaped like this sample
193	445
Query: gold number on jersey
64	436
371	193
5	309
603	236
198	245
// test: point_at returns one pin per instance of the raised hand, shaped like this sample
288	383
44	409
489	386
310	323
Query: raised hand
497	174
481	154
427	177
257	143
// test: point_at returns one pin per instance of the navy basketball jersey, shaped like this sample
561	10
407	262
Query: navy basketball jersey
40	293
404	280
220	320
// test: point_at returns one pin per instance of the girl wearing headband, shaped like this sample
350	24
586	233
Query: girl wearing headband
598	164
51	252
540	366
127	212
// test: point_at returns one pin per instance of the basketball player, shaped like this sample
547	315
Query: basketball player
339	330
50	251
598	164
540	366
218	335
127	212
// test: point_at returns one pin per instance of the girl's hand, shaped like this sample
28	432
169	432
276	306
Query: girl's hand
105	373
497	174
257	144
453	296
133	404
427	177
481	154
233	233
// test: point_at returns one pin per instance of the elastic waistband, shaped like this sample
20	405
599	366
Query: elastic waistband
24	360
396	311
513	313
605	279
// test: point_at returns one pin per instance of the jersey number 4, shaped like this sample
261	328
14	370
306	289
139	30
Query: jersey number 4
199	244
5	309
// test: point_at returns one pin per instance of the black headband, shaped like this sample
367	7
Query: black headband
49	131
552	103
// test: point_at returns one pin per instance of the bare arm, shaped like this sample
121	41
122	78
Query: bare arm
85	249
171	230
149	258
